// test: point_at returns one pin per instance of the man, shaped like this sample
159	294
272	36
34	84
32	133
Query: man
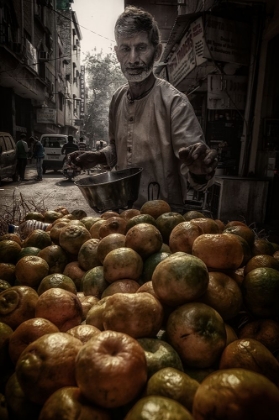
69	147
81	145
151	124
38	154
22	155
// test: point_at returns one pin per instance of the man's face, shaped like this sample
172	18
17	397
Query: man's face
136	56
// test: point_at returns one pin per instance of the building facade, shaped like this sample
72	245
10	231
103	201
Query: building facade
39	68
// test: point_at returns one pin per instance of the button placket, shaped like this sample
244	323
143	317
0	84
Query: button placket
130	133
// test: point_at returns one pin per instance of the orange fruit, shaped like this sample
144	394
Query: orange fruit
135	314
27	332
75	272
198	334
61	209
180	278
108	243
250	354
72	237
247	251
47	364
108	214
223	294
182	237
112	358
4	285
219	251
31	270
11	237
150	264
57	280
261	292
121	286
206	224
89	221
69	400
236	394
156	407
95	314
276	255
94	283
34	215
175	384
78	214
87	255
166	222
235	223
122	263
7	272
244	231
61	307
19	406
56	258
129	213
94	230
192	214
262	246
51	215
264	330
29	250
86	302
220	224
9	251
140	218
144	238
261	260
231	334
83	332
159	354
114	224
56	228
37	238
17	304
155	208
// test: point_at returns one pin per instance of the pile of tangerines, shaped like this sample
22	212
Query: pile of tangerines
139	315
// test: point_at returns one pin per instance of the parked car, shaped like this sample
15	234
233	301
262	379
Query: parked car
8	160
53	144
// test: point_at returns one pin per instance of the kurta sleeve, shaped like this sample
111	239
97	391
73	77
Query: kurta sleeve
186	130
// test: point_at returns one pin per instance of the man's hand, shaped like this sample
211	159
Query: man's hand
199	159
87	160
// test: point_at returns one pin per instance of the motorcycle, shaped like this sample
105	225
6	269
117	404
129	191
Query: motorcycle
69	170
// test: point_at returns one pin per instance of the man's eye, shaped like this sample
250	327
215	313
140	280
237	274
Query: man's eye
124	49
142	48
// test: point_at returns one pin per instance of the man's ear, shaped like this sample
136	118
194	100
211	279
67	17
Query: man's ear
116	50
159	50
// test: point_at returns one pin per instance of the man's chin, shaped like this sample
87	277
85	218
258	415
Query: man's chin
140	77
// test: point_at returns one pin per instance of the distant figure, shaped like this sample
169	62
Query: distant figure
81	144
22	155
69	147
38	154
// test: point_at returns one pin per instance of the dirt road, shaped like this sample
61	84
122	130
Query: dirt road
48	194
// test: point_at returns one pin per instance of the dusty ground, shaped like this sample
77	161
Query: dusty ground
52	192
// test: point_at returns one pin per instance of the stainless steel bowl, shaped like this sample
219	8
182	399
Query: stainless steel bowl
112	190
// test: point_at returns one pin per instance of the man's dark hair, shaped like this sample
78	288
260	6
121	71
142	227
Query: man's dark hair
134	20
70	139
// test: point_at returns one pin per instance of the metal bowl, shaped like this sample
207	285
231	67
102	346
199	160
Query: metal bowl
112	190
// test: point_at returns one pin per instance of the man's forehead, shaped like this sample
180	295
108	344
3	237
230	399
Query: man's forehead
135	38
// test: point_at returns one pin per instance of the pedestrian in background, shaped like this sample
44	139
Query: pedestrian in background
81	144
38	154
69	147
22	155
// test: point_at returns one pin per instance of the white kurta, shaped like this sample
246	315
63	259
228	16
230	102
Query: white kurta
148	133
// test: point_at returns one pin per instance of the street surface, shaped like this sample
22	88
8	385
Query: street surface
55	190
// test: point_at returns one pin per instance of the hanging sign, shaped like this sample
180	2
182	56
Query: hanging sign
227	40
183	60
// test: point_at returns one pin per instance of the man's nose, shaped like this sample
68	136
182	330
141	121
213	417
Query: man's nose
133	56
